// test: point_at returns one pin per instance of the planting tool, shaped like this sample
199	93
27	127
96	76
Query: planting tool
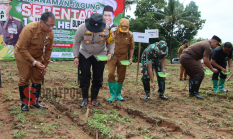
102	57
226	73
161	74
208	72
125	62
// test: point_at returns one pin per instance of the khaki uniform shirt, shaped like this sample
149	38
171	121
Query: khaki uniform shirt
92	43
122	42
31	44
181	49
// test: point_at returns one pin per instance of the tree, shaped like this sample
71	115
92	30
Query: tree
178	17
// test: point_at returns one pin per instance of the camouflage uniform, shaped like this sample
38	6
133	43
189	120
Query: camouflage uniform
151	56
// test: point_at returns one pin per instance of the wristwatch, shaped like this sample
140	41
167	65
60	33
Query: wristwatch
34	63
163	69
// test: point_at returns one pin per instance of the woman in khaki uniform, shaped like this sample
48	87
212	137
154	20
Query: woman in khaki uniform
124	42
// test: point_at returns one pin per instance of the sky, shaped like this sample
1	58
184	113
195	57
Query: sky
218	15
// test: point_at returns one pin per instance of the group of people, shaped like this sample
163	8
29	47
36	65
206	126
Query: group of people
214	58
95	37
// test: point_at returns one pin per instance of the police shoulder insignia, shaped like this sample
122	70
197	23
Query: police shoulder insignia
88	31
17	19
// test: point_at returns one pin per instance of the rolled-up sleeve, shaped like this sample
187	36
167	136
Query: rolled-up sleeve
48	51
78	38
24	43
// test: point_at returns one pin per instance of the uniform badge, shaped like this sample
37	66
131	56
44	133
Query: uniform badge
88	31
102	32
101	41
11	36
87	41
126	38
46	39
88	37
12	30
101	38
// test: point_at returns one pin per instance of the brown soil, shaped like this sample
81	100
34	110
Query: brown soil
134	118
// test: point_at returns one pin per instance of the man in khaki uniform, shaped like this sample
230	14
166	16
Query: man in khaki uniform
124	42
29	57
182	71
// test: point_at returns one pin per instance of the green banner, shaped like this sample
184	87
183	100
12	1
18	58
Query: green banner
18	13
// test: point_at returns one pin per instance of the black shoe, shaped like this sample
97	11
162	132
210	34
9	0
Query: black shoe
94	94
85	96
146	86
196	86
163	97
185	79
84	102
147	96
181	79
94	103
23	98
37	94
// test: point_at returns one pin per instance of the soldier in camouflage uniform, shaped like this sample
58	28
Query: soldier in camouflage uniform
154	57
12	27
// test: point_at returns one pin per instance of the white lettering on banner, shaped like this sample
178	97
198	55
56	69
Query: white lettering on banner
75	23
59	12
62	55
3	15
141	37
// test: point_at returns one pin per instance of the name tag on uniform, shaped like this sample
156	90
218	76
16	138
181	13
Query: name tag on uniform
35	38
12	30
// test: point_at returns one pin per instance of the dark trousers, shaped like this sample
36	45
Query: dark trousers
222	76
97	69
191	66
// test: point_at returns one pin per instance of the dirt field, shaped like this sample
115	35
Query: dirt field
180	117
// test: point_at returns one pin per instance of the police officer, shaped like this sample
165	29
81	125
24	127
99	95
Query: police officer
191	61
12	27
29	57
182	71
93	35
154	56
218	61
124	42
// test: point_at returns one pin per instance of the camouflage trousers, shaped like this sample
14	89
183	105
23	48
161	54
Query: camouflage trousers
157	66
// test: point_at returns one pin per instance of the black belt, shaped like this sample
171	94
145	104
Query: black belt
186	53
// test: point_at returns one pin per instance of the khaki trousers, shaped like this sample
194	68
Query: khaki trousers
27	72
114	63
182	71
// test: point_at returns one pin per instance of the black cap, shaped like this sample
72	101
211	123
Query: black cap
217	39
108	8
95	23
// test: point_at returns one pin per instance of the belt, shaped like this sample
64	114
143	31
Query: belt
186	53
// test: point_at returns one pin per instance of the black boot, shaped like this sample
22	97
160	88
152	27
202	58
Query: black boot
196	86
161	90
23	98
191	88
85	96
94	94
147	89
37	94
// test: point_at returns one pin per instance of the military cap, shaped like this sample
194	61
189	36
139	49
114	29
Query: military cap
5	1
162	47
217	39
